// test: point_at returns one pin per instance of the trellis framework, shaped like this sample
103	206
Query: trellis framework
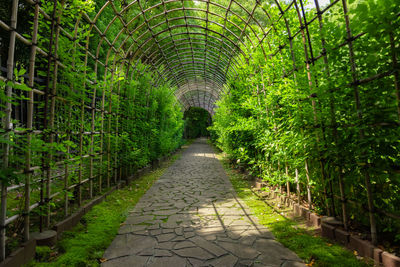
187	44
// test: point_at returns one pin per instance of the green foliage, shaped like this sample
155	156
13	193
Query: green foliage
155	123
270	120
196	122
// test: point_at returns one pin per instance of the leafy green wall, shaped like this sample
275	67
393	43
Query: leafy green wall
328	130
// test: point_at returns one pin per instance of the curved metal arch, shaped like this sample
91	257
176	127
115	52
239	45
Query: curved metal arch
192	69
196	60
218	64
183	26
202	10
198	71
168	29
179	93
196	33
196	51
234	13
193	74
209	77
194	48
207	103
192	17
204	84
208	100
199	95
183	81
224	50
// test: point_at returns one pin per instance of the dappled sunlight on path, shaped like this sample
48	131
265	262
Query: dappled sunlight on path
192	217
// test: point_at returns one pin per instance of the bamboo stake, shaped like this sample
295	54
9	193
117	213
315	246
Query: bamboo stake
7	128
66	174
109	139
29	123
102	135
82	118
46	159
93	110
310	85
117	177
82	129
52	111
309	199
287	180
297	185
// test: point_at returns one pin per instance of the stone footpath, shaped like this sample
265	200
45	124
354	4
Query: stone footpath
192	217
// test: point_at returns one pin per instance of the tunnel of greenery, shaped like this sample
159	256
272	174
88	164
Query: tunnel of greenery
302	93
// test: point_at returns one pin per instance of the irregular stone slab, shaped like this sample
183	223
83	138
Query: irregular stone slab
147	252
179	231
184	244
124	245
248	240
188	234
165	212
179	238
168	262
129	228
292	264
196	252
226	261
165	237
166	245
196	262
132	219
210	230
155	232
162	253
273	250
128	261
209	246
239	250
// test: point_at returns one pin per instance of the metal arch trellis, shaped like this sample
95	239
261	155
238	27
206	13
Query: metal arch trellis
194	53
169	28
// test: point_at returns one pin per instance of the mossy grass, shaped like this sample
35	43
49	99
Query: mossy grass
85	244
292	233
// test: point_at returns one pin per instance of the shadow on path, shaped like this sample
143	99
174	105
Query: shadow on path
192	217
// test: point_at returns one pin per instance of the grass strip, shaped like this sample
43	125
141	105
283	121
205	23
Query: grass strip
85	244
313	249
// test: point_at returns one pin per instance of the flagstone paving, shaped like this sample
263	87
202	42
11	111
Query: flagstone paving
192	217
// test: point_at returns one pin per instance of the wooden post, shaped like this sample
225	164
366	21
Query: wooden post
52	109
297	185
7	127
29	123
